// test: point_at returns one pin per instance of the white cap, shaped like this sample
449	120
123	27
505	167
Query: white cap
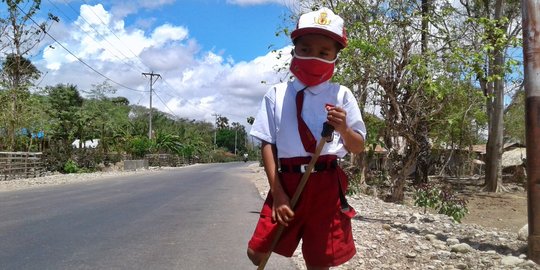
322	21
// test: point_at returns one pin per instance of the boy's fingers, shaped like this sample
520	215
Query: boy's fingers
281	220
337	118
289	213
285	215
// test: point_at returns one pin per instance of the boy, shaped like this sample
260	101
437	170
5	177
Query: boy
318	218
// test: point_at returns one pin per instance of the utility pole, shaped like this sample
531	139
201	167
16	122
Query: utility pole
235	138
152	81
215	129
531	60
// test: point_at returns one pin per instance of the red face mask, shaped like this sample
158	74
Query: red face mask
312	70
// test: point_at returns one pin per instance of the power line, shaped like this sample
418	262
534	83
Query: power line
79	59
99	34
106	77
105	38
171	88
112	32
164	104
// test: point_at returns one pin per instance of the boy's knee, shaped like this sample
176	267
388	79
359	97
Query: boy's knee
255	257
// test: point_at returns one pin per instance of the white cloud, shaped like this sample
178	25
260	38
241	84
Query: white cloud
213	85
93	16
195	84
164	33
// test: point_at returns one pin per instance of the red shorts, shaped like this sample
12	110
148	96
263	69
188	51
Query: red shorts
325	231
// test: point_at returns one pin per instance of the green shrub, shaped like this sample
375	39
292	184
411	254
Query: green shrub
87	159
444	201
56	156
427	195
355	185
452	206
139	146
71	167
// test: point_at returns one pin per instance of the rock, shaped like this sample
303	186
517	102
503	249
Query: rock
460	248
411	227
523	233
511	261
431	237
411	255
530	264
452	241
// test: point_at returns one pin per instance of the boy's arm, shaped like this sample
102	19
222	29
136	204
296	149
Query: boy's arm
281	210
354	142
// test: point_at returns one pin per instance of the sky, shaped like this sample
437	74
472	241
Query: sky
215	57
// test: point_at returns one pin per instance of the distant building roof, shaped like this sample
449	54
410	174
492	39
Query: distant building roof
514	157
87	144
479	148
513	144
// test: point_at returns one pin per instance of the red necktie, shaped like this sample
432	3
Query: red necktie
308	140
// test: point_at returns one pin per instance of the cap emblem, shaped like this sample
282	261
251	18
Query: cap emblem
323	19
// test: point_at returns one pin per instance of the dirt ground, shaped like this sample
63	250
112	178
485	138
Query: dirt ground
506	210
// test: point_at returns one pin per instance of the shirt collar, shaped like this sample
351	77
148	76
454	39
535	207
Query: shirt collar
317	89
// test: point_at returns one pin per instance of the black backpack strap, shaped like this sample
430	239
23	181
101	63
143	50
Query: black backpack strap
343	200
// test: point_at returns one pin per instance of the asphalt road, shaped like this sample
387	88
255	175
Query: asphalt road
197	217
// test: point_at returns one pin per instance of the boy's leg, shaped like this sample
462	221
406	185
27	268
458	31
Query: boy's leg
264	233
255	257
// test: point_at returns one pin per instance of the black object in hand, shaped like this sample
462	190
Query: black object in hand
327	131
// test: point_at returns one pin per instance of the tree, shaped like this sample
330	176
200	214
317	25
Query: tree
403	58
251	120
16	69
496	28
19	36
196	140
240	138
21	32
167	143
392	73
513	117
103	117
222	122
65	105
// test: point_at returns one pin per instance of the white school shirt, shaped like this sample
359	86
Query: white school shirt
276	121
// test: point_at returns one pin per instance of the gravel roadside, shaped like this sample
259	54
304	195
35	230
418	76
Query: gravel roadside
60	179
392	236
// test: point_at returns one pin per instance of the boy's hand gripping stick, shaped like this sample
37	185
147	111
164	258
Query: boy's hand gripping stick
327	136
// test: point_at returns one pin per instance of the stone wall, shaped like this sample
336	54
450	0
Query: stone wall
133	165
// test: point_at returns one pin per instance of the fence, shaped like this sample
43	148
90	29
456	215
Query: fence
15	165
